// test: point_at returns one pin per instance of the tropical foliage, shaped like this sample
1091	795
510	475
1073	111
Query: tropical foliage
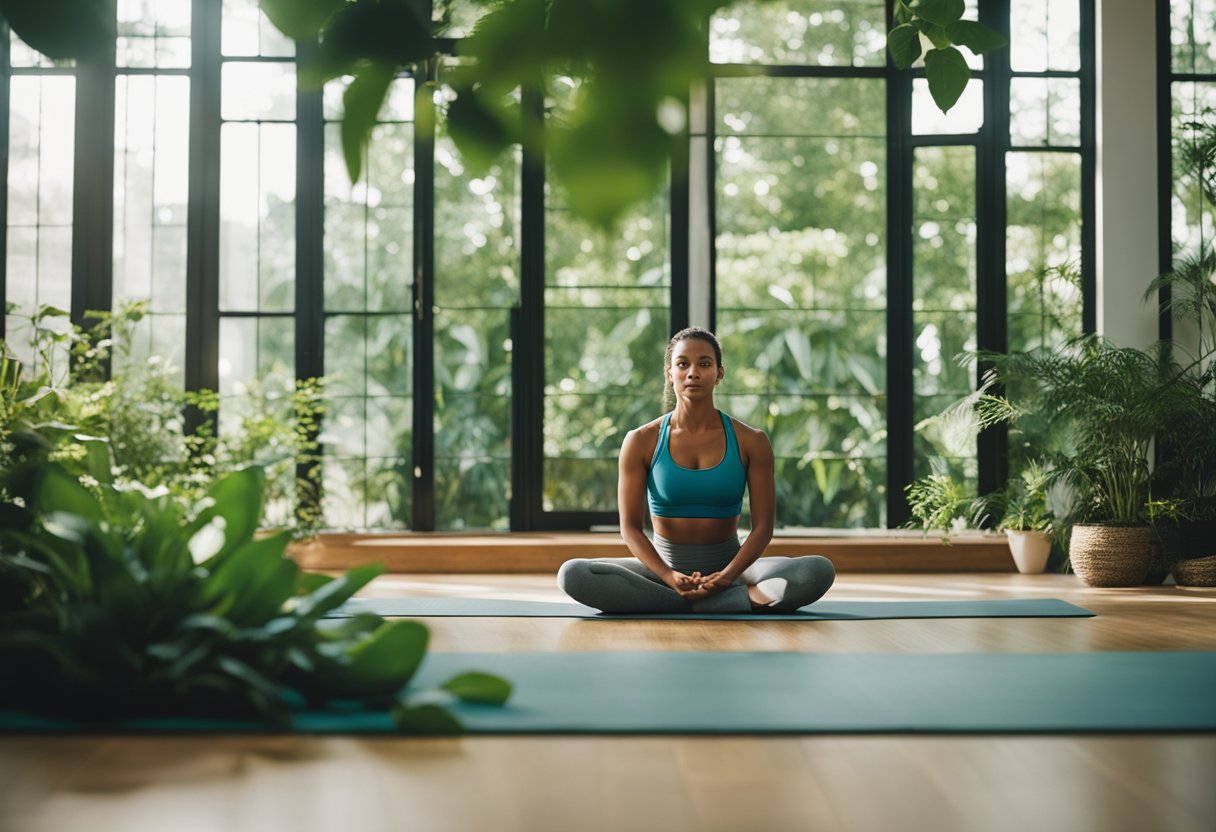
116	602
93	399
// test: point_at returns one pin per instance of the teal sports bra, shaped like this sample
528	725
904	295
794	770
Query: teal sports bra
676	491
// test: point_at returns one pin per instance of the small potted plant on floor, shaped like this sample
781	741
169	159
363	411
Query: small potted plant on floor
1025	518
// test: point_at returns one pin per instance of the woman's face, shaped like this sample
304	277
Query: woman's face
694	370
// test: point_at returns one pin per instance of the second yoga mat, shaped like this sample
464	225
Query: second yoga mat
658	692
820	611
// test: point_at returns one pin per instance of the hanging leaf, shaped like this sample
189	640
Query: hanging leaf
63	29
478	128
947	73
362	101
941	12
300	19
902	13
976	36
904	43
936	33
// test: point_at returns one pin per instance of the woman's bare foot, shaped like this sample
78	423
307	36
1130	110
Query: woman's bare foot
759	599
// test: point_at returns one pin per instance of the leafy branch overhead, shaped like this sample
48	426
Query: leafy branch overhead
613	75
933	28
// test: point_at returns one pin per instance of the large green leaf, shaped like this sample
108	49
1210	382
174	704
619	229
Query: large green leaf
251	585
63	29
947	73
904	43
475	686
333	594
976	36
386	32
300	19
362	101
426	719
478	128
902	13
380	665
936	33
237	498
60	492
941	12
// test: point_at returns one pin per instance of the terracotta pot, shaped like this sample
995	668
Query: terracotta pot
1110	555
1030	550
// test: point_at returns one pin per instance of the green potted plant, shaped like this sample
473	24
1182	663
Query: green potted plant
1104	406
1025	519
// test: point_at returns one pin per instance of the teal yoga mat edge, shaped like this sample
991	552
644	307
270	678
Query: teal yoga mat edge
423	607
1108	693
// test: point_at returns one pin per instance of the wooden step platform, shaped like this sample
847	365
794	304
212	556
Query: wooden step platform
546	551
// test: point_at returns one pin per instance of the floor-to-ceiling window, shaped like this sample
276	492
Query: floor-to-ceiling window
484	350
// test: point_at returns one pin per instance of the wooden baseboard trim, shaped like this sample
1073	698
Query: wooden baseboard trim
432	553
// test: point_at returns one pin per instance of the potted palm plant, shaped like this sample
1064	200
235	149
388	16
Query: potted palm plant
1104	405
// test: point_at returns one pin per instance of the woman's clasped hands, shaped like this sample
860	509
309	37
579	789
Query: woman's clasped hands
696	586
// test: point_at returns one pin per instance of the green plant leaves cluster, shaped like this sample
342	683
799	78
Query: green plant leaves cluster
63	29
940	23
118	603
116	417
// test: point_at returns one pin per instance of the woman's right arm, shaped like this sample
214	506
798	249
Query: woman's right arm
631	503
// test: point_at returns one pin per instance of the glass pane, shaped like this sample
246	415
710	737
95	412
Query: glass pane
246	32
1045	111
966	116
1192	222
262	91
369	225
944	281
801	292
603	377
1046	35
477	282
153	33
22	55
607	301
151	171
257	217
261	350
815	32
801	106
1043	248
1193	35
38	257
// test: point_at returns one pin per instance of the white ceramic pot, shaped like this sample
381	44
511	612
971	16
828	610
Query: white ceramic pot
1030	550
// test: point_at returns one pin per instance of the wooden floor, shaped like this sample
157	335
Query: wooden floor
1142	783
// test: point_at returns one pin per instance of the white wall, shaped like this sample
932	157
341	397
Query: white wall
1126	186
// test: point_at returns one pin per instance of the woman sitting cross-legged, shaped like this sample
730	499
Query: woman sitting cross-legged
692	465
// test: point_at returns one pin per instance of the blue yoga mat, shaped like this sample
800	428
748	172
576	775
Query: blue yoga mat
792	693
819	611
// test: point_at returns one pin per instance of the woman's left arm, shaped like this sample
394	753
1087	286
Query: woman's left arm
761	499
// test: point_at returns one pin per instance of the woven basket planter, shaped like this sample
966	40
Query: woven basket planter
1196	572
1111	555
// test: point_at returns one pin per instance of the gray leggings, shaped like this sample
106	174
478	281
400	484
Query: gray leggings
625	585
